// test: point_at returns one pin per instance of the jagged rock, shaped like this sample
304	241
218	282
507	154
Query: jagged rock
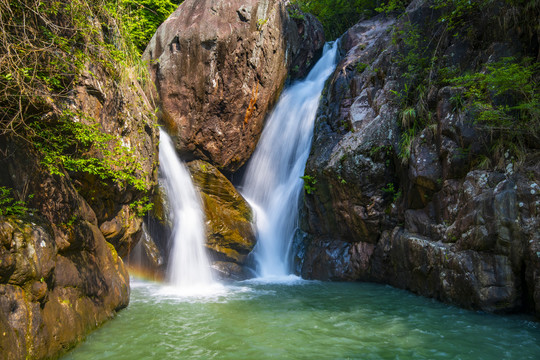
219	66
59	277
352	154
430	222
229	232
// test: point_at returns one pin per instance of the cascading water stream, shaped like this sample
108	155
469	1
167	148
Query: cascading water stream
272	183
188	265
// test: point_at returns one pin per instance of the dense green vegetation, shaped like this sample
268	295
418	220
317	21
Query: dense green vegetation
143	17
45	48
10	206
337	16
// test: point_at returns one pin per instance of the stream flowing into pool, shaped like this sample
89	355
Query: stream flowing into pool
304	320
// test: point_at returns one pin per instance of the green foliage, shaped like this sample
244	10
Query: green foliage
405	144
46	45
506	100
416	64
261	23
71	144
342	180
142	206
45	48
393	5
295	13
408	117
143	17
391	190
412	58
360	67
457	12
337	16
9	206
309	183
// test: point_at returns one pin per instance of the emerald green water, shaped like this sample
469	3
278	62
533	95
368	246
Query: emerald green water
304	320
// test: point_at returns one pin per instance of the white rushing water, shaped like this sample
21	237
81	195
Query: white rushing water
189	268
272	182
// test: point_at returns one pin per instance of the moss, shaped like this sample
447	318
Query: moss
113	252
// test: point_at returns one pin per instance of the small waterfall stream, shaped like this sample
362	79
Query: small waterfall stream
272	183
188	265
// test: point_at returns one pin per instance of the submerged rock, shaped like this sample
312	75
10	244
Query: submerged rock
219	66
229	232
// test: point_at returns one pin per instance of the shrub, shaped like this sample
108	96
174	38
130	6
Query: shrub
337	16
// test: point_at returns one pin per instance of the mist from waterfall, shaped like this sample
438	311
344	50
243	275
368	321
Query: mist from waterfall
272	183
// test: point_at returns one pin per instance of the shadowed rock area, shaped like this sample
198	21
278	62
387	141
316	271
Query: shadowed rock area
421	215
59	277
61	272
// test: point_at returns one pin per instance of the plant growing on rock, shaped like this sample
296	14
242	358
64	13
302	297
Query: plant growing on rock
505	98
142	18
309	183
45	53
9	206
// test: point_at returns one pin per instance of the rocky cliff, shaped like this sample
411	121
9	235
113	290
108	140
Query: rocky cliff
418	183
79	160
220	65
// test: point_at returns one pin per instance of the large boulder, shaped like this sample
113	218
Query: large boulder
355	130
229	231
218	67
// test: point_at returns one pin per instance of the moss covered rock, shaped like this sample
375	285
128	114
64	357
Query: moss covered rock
229	232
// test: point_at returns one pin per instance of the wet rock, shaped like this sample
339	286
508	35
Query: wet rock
468	278
124	230
228	271
219	66
229	231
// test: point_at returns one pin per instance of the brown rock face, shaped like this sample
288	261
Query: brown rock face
121	109
219	65
59	278
229	231
60	274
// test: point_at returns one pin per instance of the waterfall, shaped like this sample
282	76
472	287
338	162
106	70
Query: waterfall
272	182
188	264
